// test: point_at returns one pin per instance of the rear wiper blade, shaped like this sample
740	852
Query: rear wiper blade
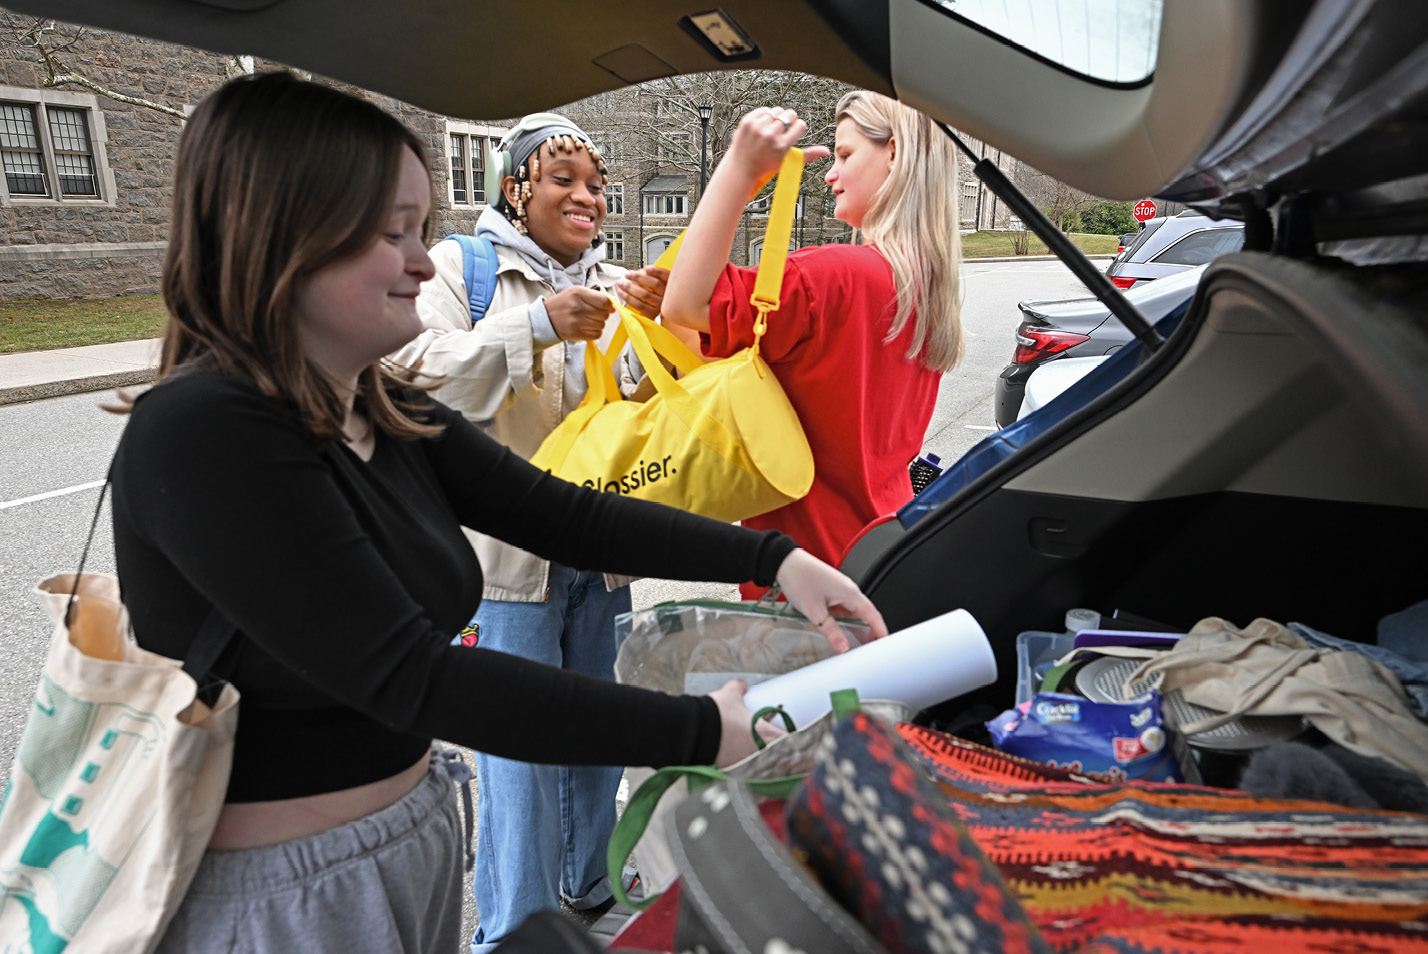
1058	243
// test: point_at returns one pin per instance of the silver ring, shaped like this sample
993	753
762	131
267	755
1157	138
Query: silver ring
786	123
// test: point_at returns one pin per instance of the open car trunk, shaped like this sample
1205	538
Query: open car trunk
1271	460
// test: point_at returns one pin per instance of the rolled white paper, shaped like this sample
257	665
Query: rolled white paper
924	664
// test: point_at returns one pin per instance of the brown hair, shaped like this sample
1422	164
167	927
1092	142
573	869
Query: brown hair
276	178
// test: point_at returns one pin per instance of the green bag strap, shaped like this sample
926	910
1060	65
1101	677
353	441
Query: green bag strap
641	806
764	713
845	703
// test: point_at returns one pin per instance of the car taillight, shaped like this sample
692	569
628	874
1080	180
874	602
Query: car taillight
1036	344
1122	282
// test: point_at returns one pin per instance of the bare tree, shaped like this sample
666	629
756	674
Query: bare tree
657	124
1062	204
54	43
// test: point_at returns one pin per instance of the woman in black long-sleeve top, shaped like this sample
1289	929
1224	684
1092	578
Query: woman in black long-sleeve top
283	473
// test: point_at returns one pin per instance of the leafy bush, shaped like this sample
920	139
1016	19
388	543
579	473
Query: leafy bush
1109	218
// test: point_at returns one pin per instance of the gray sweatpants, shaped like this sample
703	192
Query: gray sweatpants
391	883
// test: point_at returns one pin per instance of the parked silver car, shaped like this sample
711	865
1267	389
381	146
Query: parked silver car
1167	245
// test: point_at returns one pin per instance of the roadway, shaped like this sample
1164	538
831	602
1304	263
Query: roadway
56	451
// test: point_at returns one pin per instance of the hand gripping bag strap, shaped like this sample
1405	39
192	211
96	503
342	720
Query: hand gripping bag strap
478	268
600	386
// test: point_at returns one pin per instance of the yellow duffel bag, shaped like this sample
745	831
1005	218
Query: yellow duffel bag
722	440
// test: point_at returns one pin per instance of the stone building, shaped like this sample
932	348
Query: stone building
85	196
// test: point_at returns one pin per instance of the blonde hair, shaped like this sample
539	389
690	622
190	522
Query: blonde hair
913	219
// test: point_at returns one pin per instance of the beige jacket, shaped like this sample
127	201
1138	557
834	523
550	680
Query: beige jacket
500	379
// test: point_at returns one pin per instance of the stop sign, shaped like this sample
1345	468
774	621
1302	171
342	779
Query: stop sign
1144	209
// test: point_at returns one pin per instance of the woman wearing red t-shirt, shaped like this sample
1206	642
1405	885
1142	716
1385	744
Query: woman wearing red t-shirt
863	332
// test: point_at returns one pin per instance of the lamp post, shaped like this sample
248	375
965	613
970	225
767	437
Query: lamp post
706	110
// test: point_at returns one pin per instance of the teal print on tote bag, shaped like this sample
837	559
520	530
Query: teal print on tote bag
117	783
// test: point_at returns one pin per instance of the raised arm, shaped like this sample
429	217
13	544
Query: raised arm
760	142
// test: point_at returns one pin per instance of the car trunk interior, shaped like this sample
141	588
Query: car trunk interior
1268	461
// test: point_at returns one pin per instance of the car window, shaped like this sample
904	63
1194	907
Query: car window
1143	236
1197	248
1110	41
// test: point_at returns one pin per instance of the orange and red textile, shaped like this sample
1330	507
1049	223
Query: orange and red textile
1141	867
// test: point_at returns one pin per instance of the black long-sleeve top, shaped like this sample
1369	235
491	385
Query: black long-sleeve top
347	580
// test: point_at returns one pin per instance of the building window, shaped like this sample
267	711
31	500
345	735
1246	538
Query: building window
52	147
674	147
20	147
615	199
466	161
664	205
458	168
74	158
611	151
614	246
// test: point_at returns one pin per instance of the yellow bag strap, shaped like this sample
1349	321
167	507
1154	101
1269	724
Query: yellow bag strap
776	236
650	340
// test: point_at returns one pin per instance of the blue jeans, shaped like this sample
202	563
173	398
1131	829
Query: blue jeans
543	829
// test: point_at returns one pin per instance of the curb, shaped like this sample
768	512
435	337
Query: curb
138	376
98	382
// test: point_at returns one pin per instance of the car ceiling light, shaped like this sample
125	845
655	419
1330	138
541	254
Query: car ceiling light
720	34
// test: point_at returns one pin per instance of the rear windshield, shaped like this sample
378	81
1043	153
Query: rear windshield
1110	41
1146	231
1197	248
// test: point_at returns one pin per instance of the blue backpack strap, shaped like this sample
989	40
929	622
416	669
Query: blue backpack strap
478	268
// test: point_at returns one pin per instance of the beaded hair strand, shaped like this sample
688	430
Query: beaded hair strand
529	171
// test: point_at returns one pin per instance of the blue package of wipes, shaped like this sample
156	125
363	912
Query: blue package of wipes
1121	739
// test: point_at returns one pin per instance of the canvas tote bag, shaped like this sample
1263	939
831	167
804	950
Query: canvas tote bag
117	783
722	440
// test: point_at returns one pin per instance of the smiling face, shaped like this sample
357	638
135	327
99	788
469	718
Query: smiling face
566	205
860	167
353	311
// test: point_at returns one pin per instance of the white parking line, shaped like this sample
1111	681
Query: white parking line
77	488
979	427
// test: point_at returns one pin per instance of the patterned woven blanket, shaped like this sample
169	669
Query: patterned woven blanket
1135	867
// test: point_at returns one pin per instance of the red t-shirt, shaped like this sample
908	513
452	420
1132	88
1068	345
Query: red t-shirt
864	405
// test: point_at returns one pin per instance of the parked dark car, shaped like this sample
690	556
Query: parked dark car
1124	242
1079	328
1167	245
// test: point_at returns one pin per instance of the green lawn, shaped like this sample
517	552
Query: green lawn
71	322
999	244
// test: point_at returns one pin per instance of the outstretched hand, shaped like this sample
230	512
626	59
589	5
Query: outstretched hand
643	289
579	313
820	592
